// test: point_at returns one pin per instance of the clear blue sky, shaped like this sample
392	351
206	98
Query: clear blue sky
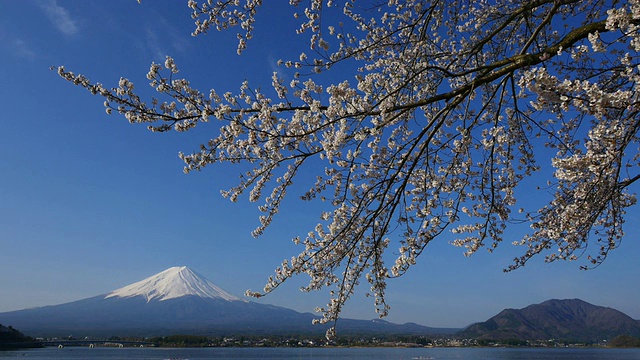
90	203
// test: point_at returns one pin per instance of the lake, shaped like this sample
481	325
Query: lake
81	353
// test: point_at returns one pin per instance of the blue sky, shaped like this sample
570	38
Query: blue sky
90	203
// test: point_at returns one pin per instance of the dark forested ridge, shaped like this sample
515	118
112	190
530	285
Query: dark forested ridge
11	338
571	319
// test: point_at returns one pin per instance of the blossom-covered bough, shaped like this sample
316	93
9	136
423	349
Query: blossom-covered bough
442	110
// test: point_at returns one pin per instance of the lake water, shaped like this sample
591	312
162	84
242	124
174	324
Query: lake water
82	353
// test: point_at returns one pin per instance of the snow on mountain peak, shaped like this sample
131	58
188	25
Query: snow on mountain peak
173	283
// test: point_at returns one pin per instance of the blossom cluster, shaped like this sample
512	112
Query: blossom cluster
451	107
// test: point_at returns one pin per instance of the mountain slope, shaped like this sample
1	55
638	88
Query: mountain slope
179	301
100	316
572	319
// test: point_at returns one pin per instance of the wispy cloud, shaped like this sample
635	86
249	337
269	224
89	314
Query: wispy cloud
59	16
168	41
155	46
15	46
21	49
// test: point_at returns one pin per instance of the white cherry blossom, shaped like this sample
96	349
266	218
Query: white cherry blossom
453	104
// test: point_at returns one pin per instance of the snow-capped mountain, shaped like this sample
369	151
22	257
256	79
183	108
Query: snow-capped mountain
178	301
173	283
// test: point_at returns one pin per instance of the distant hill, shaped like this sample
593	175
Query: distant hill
179	301
572	320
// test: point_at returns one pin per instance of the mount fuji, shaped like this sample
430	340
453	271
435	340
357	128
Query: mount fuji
173	283
179	301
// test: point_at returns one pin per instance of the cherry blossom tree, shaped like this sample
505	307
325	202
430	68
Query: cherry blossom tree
442	110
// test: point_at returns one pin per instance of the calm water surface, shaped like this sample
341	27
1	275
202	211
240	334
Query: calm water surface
81	353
